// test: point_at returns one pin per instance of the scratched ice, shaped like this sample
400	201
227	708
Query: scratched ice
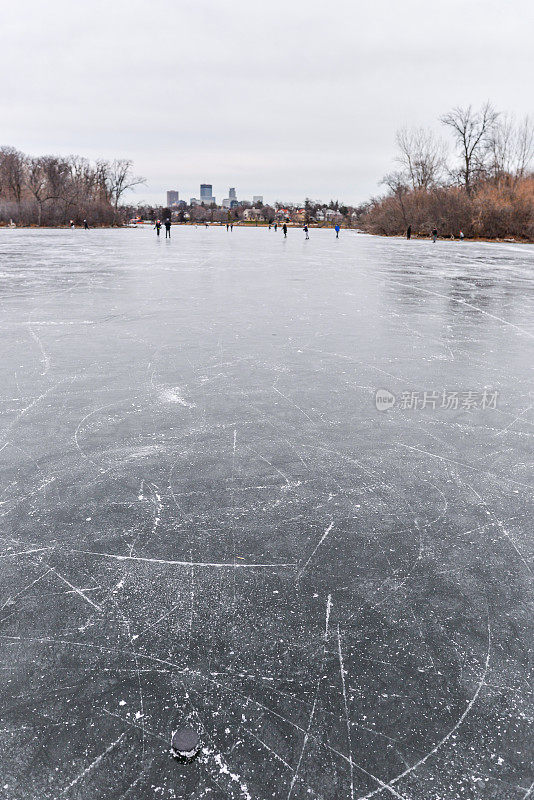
207	521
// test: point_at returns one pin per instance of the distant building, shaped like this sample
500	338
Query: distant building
194	201
172	197
206	191
206	194
333	216
253	214
231	200
283	214
258	198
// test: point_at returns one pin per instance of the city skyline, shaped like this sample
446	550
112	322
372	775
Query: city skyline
207	197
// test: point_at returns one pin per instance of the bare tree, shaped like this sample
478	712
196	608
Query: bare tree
511	147
70	181
59	182
82	174
524	147
102	180
396	183
12	172
120	179
422	155
471	130
38	184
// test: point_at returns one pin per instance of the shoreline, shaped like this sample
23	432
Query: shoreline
294	225
507	240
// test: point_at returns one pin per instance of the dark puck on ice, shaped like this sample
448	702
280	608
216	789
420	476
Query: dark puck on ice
185	743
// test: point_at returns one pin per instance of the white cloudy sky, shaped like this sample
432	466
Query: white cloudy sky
285	99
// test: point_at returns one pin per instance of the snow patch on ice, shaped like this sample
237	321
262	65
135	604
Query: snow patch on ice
173	394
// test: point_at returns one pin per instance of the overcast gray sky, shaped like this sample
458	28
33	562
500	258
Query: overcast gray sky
285	99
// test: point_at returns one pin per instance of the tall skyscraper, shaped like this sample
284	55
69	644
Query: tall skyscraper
172	197
231	200
206	194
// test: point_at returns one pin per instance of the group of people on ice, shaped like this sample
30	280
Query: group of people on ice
230	226
434	234
167	223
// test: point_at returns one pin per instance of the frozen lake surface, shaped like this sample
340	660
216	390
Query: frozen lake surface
206	521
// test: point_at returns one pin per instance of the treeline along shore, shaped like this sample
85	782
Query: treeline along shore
53	190
478	184
483	186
